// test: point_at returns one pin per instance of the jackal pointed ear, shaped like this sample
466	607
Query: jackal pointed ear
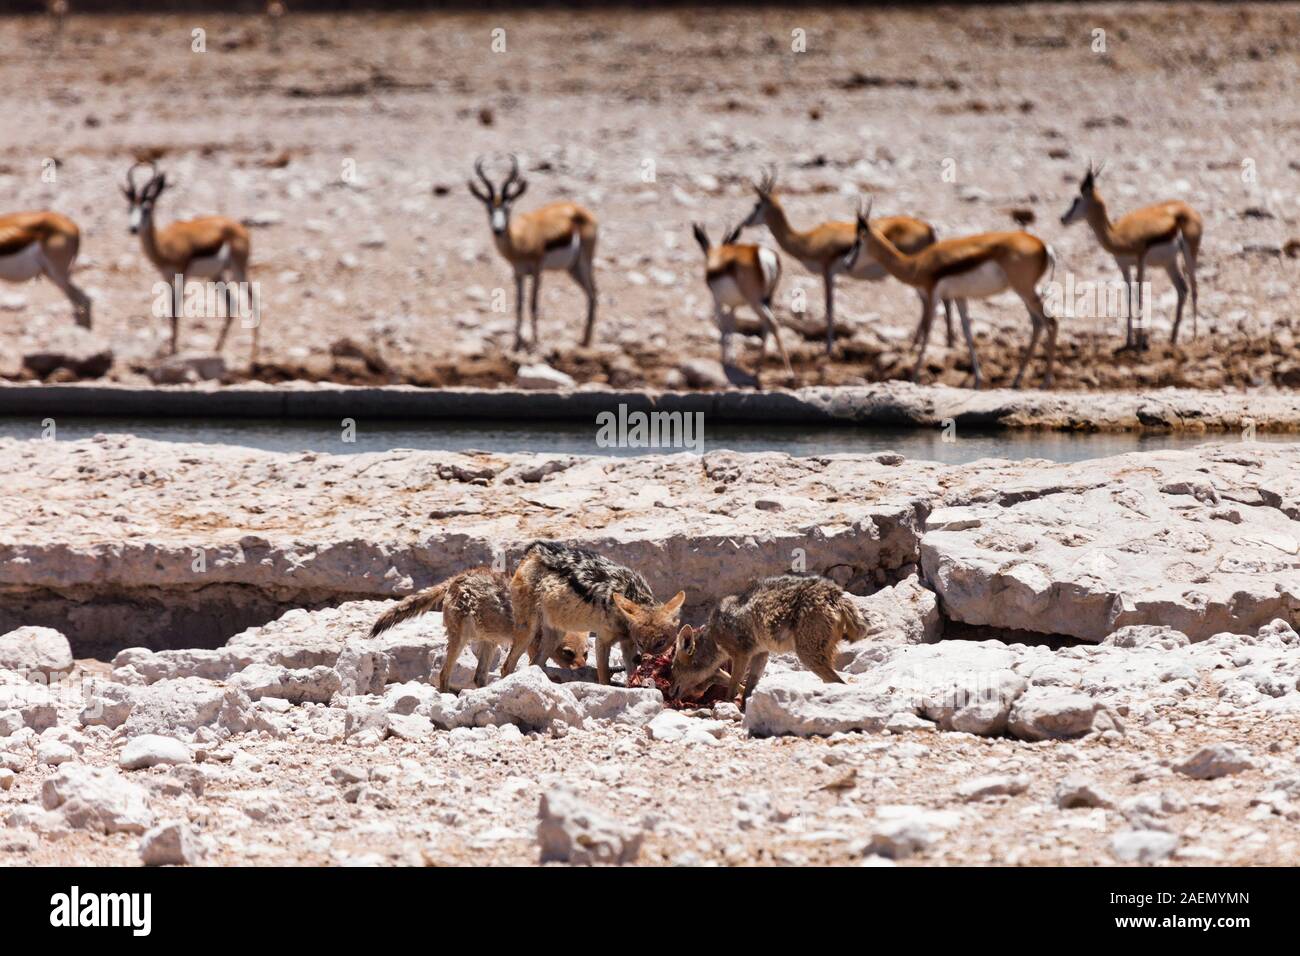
629	608
732	233
674	604
686	639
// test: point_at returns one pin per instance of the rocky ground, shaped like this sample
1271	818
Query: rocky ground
345	151
1087	663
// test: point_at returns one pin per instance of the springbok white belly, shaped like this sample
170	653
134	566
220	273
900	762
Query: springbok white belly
23	265
1165	254
563	257
770	266
981	282
726	292
209	267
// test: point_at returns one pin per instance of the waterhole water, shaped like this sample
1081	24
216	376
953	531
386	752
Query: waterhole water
579	438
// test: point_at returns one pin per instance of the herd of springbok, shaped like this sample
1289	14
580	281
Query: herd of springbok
562	236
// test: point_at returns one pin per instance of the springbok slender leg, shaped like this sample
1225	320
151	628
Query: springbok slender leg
254	307
231	308
585	275
970	336
1180	286
1033	343
80	301
519	311
1128	291
1142	317
927	313
537	285
769	322
828	277
178	286
726	322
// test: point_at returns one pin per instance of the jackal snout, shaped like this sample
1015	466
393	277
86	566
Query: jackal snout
571	653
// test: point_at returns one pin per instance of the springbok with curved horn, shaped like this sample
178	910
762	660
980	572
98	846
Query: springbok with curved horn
969	267
823	249
742	275
36	244
212	247
1155	235
561	235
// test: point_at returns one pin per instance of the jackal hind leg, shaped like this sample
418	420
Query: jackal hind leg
815	646
486	653
455	643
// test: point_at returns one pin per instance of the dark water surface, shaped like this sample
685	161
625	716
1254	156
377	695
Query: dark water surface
580	439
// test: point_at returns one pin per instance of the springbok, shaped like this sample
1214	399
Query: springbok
1154	234
43	244
969	267
58	12
822	250
742	275
561	235
213	247
275	11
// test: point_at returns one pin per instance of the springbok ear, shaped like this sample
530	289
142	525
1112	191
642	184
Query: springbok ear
672	605
517	190
628	608
701	236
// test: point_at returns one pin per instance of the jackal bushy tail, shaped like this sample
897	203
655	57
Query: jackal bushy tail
855	627
422	602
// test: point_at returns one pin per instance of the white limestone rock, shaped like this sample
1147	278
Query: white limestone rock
107	703
1143	846
39	652
150	750
97	798
296	685
619	705
569	832
1077	791
527	697
169	844
186	704
800	704
1046	713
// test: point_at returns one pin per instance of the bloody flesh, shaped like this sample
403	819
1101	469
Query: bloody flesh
657	672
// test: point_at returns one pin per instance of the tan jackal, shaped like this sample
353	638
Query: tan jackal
559	587
476	610
807	615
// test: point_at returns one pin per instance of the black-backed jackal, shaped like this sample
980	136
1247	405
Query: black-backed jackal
807	615
476	610
559	587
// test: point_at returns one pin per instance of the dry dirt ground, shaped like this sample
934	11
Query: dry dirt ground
347	152
742	802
